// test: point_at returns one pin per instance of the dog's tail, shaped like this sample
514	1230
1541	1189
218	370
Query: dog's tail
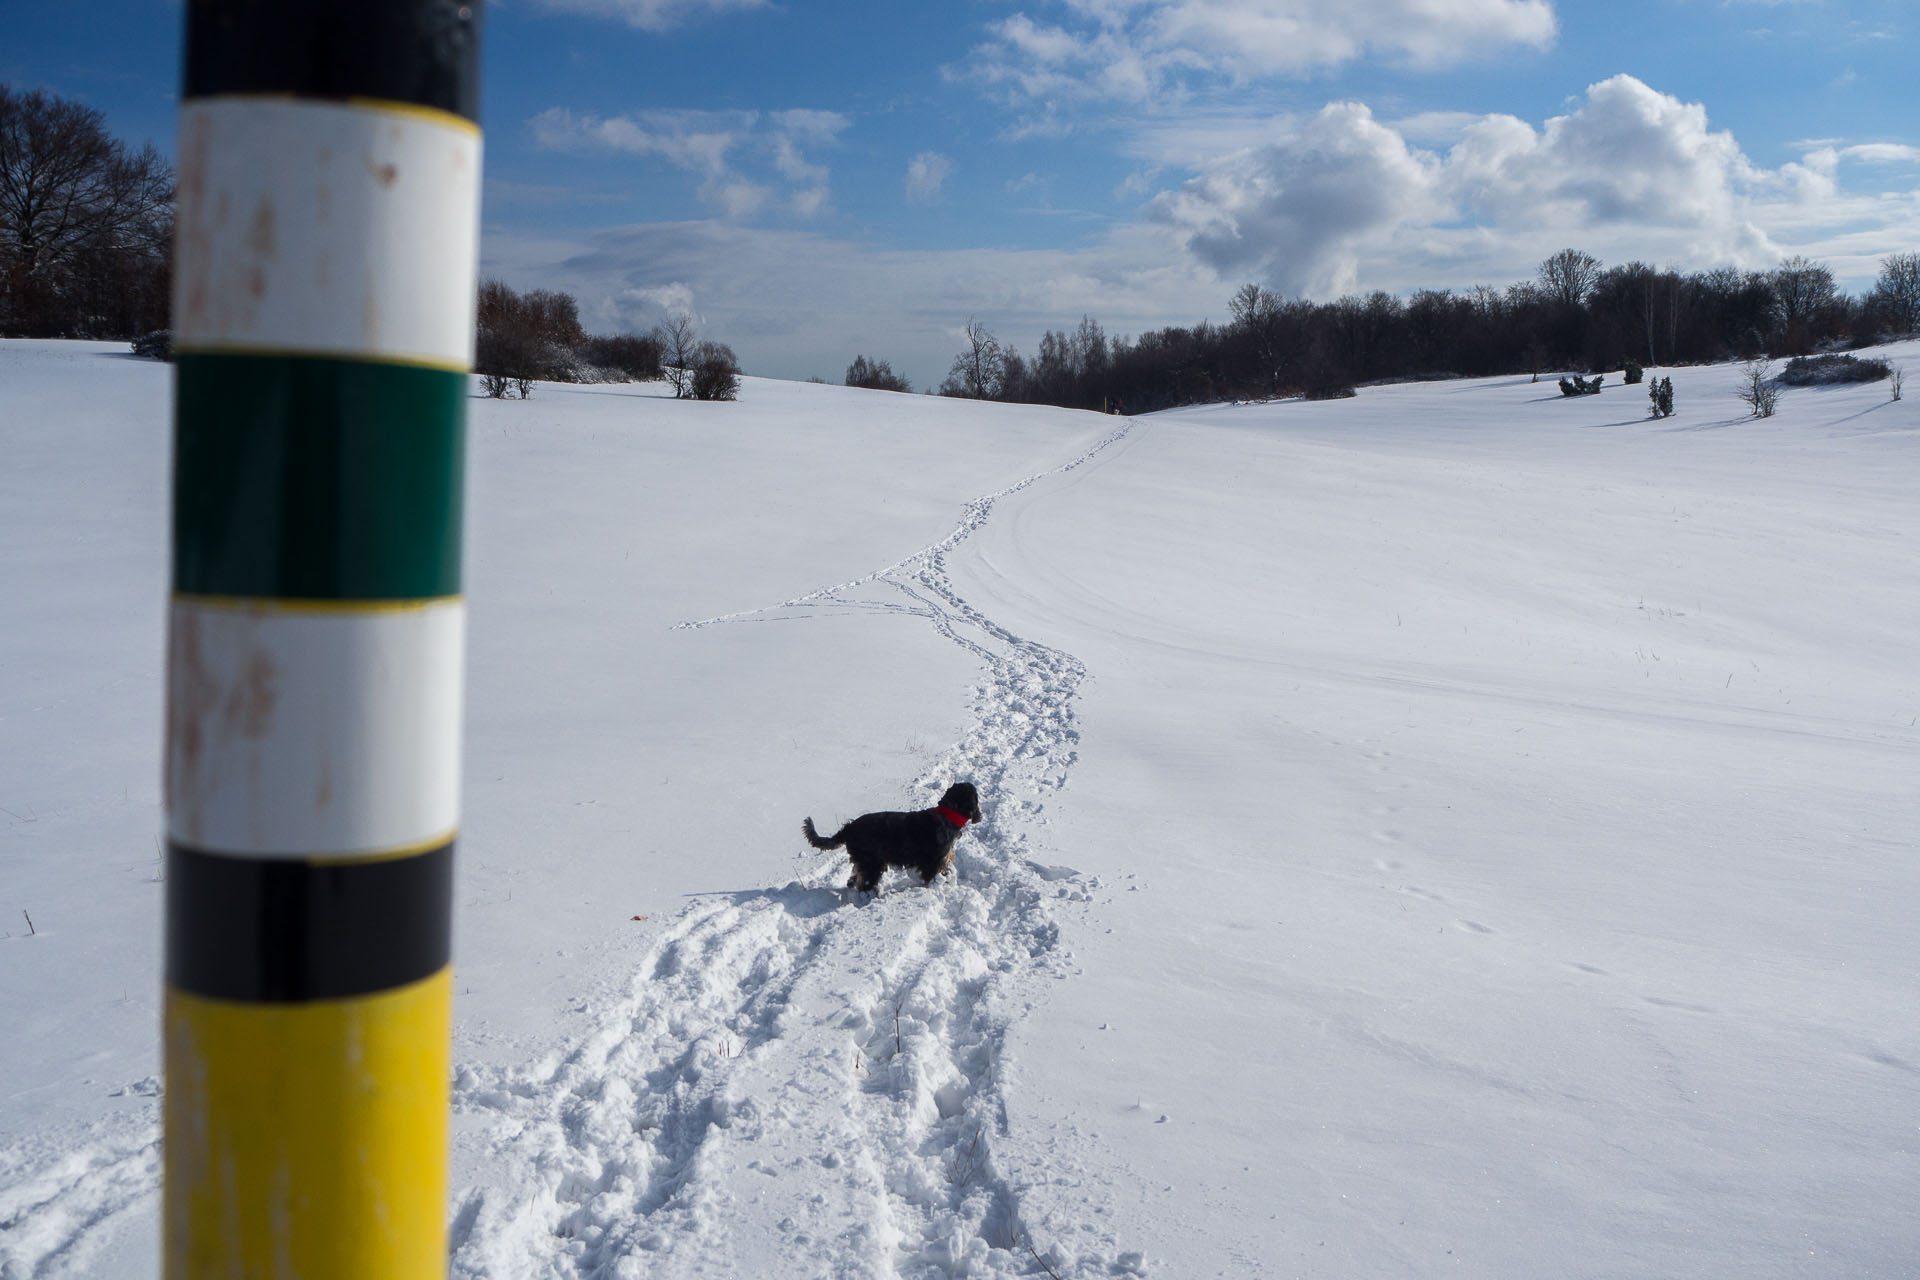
817	840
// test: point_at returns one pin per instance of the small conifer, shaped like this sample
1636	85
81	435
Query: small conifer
1660	393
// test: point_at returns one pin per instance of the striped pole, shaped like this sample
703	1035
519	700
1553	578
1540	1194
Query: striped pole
329	169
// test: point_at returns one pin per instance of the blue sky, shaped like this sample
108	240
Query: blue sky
816	180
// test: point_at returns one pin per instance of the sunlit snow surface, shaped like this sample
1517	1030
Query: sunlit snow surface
1454	831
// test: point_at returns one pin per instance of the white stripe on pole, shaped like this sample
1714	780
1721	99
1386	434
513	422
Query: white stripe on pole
328	229
313	731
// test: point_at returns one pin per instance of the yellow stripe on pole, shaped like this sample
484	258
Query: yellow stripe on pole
308	1141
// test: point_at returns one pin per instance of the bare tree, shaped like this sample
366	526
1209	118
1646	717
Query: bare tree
678	336
1248	303
1091	351
1803	293
83	219
1569	276
1535	356
1646	282
1014	382
554	318
978	371
1756	389
1896	294
1257	320
506	354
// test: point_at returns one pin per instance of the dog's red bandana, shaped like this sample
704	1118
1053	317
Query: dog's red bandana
954	816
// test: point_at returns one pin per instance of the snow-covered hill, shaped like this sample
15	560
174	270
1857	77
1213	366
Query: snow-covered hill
1455	830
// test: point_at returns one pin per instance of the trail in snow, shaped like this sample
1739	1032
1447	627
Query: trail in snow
795	1082
59	1201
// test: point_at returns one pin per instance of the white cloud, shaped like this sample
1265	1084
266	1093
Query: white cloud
695	140
792	165
717	146
1883	153
1311	202
809	126
1130	50
1628	153
1434	128
926	175
1341	200
652	15
675	298
737	199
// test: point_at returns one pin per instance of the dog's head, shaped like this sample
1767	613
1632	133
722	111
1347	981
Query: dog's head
963	799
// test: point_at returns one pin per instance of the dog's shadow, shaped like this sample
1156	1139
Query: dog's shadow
803	902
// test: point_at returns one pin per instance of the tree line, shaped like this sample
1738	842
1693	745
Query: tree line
1576	314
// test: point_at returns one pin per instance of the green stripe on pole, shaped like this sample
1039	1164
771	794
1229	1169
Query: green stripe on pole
315	479
246	929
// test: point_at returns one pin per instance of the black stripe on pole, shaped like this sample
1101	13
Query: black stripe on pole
282	932
314	479
424	52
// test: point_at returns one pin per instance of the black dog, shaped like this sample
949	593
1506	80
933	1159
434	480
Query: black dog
922	840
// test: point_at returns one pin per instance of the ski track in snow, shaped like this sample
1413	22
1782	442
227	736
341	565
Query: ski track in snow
792	1077
59	1200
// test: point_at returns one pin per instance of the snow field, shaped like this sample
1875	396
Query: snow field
1452	831
1516	799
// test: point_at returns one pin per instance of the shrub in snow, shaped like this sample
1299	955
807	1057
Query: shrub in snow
636	357
1579	386
1632	374
1894	380
158	345
1660	393
716	372
507	356
1757	389
1815	371
875	375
